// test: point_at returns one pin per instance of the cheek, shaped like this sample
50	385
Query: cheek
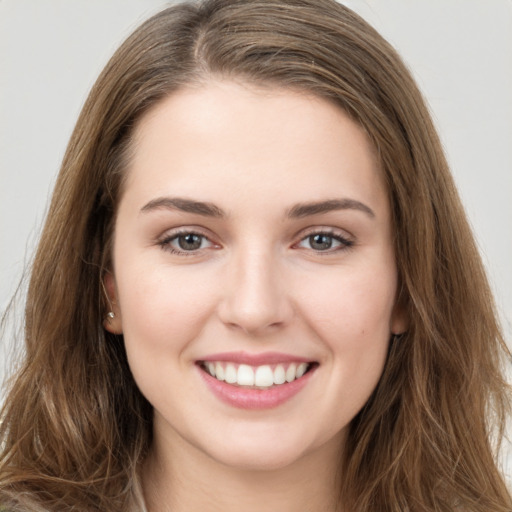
352	321
162	309
354	305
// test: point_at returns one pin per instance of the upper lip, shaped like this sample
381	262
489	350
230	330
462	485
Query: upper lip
255	359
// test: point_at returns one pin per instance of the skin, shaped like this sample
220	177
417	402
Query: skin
257	283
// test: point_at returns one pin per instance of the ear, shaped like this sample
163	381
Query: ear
112	320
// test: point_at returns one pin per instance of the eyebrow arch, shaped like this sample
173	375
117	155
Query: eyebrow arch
315	208
184	205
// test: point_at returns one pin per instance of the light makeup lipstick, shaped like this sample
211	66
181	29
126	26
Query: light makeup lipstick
255	381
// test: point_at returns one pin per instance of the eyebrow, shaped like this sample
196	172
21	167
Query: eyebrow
184	205
297	211
315	208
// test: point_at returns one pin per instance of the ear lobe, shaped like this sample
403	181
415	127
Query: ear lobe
112	321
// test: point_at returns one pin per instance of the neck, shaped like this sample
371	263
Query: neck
191	481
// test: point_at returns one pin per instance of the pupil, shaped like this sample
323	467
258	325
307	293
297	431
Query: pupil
320	242
189	242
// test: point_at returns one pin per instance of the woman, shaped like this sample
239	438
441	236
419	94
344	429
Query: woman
256	287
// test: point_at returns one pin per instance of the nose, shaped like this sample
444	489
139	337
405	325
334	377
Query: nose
255	298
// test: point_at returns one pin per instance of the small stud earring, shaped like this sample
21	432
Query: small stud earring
111	315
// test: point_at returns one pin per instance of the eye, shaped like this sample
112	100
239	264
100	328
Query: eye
189	242
185	242
324	242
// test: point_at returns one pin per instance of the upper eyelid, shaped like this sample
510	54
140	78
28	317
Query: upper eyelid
184	230
327	230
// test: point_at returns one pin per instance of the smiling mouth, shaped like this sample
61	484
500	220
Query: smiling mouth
256	377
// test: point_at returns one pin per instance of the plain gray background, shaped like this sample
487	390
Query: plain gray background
459	50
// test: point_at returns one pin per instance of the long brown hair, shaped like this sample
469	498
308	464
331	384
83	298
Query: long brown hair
75	428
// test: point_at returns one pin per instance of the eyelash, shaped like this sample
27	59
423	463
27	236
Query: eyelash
166	242
344	243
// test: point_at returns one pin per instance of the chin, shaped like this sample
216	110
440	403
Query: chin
274	450
255	460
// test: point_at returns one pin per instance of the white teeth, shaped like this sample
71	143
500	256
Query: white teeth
291	372
301	369
264	376
279	376
219	371
211	369
245	376
260	376
230	374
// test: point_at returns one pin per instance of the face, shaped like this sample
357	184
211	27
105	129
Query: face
253	272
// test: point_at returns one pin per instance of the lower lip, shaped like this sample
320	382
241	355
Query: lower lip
245	398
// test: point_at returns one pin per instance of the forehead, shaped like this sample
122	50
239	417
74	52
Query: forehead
233	136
